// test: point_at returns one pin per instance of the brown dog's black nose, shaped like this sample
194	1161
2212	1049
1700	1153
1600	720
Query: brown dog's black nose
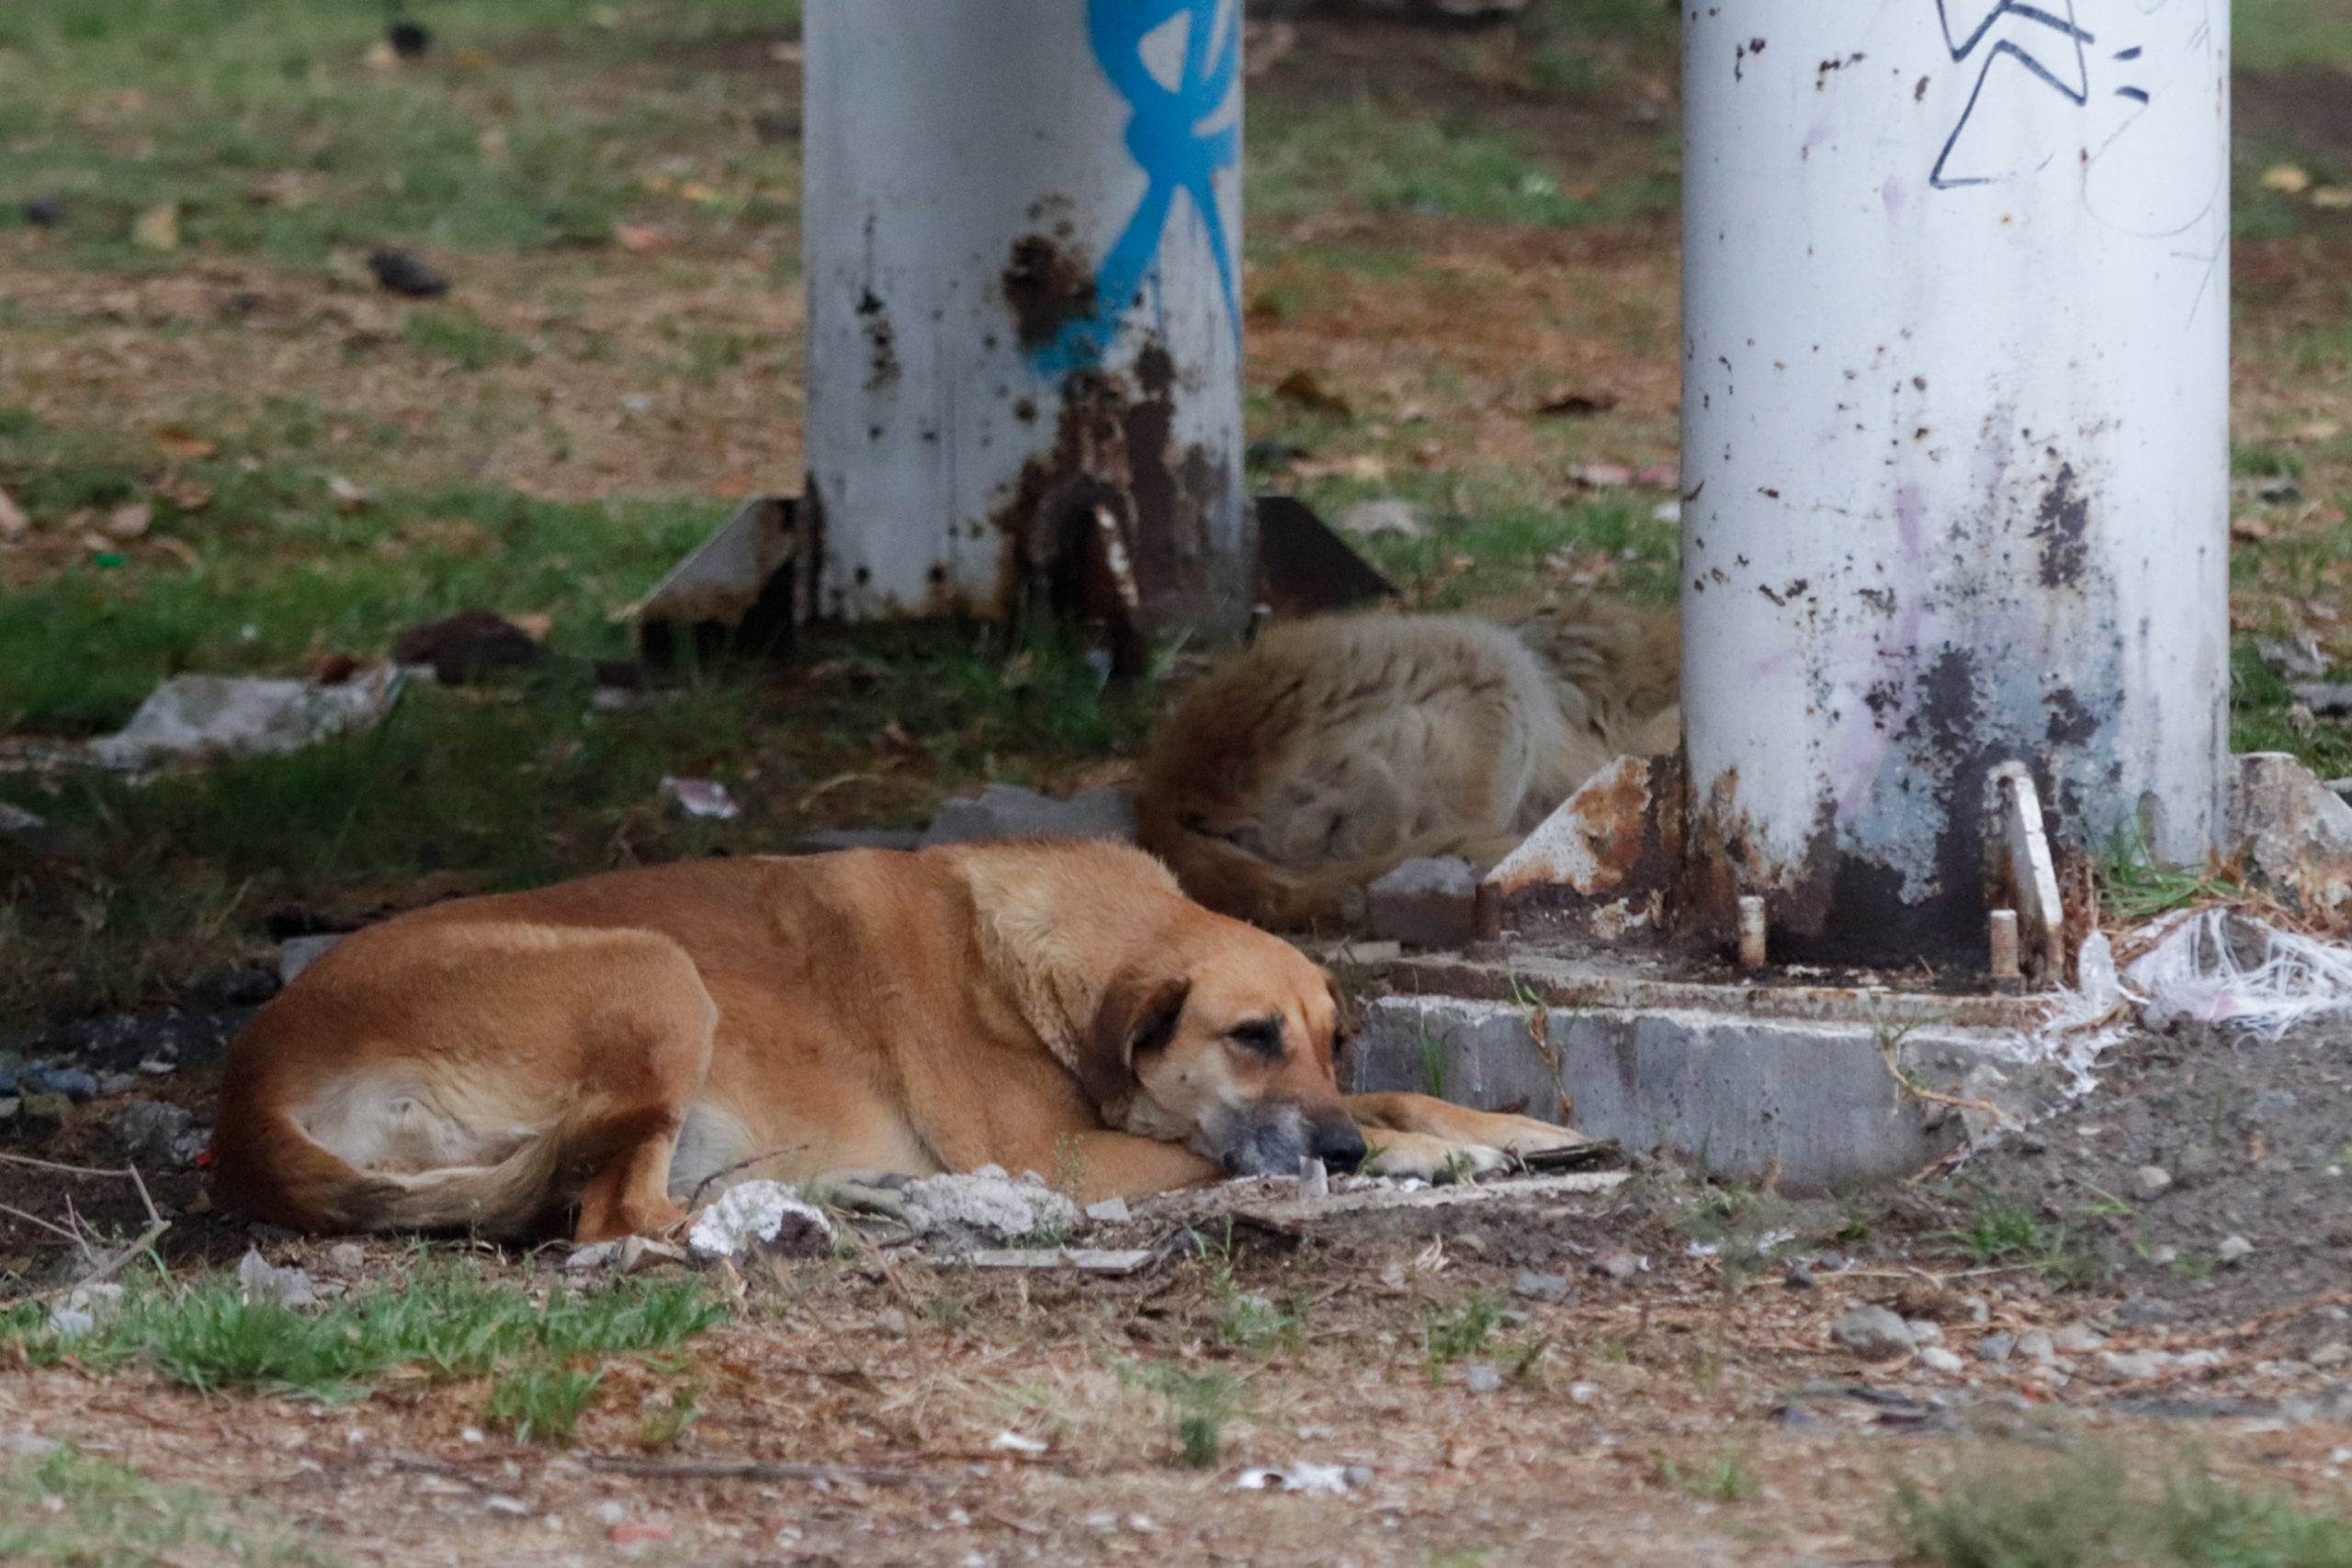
1339	1145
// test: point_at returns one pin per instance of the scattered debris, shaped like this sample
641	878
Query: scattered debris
1011	1442
700	798
984	1210
2218	966
1314	1480
1383	515
467	645
192	717
2298	659
261	1283
296	953
1114	1263
161	1133
1009	811
1110	1212
406	273
1294	1216
761	1217
1306	389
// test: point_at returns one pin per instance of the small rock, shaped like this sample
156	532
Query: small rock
2140	1311
2035	1345
1110	1212
984	1209
2334	1354
1936	1359
2150	1181
155	1132
2195	1163
1357	1475
2077	1339
69	1322
1534	1287
406	273
1995	1347
296	953
890	1322
347	1256
2234	1250
513	1507
263	1284
410	40
468	644
1799	1277
1977	1309
72	1082
1617	1263
2279	489
1481	1376
1583	1393
1924	1332
1872	1333
44	212
2133	1366
1831	1263
2271	1104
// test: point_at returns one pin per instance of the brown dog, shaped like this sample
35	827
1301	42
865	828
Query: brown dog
622	1042
1334	748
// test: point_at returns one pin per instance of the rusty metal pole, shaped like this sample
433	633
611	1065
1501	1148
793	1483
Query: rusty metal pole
1955	447
1022	235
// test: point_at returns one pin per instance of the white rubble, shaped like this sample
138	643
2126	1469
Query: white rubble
987	1208
200	715
760	1216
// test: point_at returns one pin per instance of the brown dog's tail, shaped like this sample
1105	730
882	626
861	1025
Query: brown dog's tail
264	1165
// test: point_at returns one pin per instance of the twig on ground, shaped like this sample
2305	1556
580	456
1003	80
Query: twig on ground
761	1470
103	1266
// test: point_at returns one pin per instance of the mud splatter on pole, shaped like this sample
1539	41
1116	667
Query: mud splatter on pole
1956	387
1024	352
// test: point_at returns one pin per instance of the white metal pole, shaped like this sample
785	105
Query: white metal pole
1023	240
1955	446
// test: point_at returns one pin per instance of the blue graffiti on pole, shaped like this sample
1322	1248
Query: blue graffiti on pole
1177	155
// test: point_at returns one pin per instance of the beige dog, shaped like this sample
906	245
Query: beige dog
1334	748
622	1042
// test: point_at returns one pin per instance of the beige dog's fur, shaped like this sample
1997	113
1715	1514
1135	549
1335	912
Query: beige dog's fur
1334	748
622	1043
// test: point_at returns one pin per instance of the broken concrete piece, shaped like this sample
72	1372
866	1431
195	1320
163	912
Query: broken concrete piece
1008	811
1428	902
261	1284
740	586
1110	1212
2019	873
1293	1217
200	715
985	1209
760	1217
1600	864
2292	832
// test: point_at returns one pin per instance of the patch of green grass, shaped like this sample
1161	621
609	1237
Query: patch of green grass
2085	1506
2134	886
1726	1478
1366	154
1199	1403
1450	1334
542	1404
456	333
64	1509
2002	1229
2261	710
2270	35
443	1322
265	123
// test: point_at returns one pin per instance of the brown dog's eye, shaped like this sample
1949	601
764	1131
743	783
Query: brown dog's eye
1262	1036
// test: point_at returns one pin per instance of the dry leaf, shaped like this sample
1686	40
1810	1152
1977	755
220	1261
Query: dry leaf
2287	178
158	227
789	52
639	238
131	521
184	444
189	495
534	627
13	524
2251	530
2336	198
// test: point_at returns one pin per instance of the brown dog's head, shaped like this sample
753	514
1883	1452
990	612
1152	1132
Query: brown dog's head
1223	1040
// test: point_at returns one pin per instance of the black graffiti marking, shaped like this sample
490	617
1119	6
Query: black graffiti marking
2076	92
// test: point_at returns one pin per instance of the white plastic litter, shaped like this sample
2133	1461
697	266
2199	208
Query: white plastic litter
2216	966
759	1215
196	716
1315	1480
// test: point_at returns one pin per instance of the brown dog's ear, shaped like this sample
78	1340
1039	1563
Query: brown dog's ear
1139	1012
1346	1018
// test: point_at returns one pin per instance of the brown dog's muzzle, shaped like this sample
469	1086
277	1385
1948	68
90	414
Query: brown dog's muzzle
1272	1137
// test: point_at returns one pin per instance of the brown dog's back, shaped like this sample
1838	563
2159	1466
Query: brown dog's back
1334	748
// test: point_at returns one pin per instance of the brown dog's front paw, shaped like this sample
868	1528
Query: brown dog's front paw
1431	1160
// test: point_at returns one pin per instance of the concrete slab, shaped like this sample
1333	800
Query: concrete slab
1812	1104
